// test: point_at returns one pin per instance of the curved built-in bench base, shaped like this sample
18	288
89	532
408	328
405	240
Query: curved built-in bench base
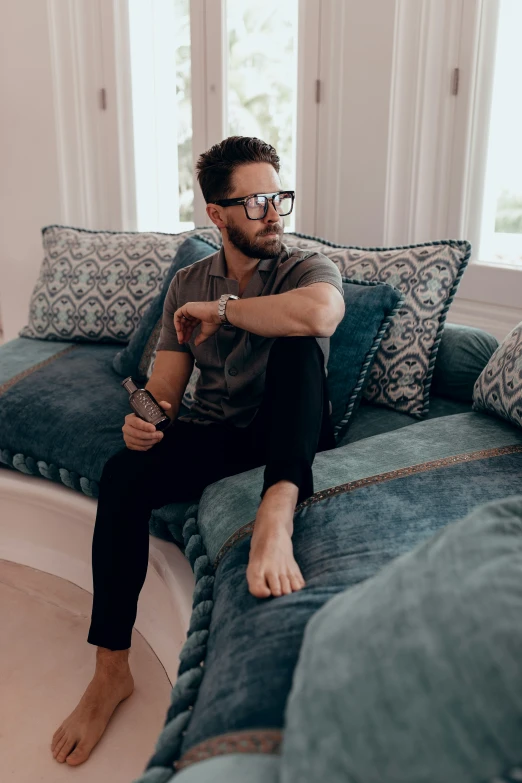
49	527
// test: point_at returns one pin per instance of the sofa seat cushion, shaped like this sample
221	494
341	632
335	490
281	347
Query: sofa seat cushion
228	507
370	419
415	676
237	666
62	408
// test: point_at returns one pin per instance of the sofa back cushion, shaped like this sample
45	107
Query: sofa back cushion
369	309
463	353
96	286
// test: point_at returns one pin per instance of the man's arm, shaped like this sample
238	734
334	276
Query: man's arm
170	375
313	310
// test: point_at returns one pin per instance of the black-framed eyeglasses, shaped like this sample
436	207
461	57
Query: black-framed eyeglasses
256	205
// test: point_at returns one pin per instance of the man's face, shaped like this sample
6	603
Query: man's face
254	238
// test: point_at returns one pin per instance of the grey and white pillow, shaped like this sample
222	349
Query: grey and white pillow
498	389
95	286
428	274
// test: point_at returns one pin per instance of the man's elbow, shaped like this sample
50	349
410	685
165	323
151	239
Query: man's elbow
326	321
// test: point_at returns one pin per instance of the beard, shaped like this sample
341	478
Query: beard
260	247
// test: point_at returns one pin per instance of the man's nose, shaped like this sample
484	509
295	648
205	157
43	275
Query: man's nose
271	213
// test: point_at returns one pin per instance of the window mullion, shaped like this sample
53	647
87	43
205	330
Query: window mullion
209	68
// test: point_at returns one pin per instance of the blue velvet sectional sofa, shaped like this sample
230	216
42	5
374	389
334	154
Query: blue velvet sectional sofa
392	483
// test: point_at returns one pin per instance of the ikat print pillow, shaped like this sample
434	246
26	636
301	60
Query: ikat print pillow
498	389
428	275
95	286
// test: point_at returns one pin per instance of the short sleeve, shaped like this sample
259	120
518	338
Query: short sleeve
317	269
168	339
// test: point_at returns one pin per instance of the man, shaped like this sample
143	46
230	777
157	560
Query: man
261	399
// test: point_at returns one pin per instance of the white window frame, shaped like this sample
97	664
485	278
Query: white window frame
497	288
437	146
209	68
95	146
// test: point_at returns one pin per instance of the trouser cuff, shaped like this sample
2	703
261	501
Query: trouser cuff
299	472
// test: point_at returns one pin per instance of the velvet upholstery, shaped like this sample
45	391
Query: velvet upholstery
429	652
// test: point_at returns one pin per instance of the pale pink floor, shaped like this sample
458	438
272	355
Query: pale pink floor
45	666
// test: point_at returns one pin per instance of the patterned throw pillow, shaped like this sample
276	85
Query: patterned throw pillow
95	286
428	275
498	388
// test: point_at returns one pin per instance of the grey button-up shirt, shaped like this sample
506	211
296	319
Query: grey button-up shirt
233	361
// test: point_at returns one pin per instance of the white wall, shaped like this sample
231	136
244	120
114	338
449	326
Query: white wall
29	185
354	119
361	127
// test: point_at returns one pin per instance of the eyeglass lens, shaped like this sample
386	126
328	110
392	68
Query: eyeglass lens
256	205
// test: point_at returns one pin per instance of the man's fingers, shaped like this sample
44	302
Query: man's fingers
140	424
165	404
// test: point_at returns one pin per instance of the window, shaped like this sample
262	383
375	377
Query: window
501	223
258	53
262	78
162	114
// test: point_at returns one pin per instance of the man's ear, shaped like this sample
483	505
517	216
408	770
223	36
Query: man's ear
214	213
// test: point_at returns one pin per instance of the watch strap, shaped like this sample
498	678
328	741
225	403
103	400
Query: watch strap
223	299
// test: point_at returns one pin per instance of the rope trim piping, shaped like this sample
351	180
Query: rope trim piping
340	489
248	741
368	360
192	656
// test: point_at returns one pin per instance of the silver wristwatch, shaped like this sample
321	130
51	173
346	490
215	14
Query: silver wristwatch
223	299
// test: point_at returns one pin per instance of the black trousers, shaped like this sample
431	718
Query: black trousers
291	425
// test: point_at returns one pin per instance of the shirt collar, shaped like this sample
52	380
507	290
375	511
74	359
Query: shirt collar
218	266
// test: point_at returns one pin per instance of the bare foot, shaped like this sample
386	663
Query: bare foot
272	569
79	733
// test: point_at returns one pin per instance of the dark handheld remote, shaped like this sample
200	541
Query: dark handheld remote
145	406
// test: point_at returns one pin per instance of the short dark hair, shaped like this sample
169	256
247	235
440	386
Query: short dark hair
215	167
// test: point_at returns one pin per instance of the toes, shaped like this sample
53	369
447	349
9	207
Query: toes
66	745
58	734
78	755
59	745
285	584
297	582
258	586
273	583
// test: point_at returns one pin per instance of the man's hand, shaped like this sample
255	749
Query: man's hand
140	435
187	318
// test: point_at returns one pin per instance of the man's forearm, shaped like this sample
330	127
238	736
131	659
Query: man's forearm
295	313
161	390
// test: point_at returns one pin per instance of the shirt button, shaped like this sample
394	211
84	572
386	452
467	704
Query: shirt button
232	371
